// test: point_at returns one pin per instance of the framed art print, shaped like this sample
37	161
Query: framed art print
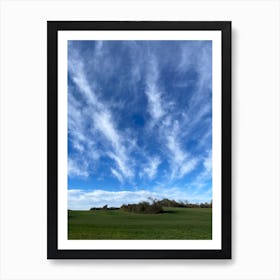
139	140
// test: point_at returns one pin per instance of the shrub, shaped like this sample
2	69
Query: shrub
143	207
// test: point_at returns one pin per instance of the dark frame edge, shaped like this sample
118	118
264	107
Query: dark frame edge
139	254
52	140
226	141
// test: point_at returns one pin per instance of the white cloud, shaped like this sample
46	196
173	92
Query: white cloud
205	175
204	70
121	162
170	128
84	146
117	175
177	154
153	92
76	68
199	59
84	200
75	122
188	166
154	99
75	169
99	48
181	162
186	59
102	121
208	162
151	168
175	130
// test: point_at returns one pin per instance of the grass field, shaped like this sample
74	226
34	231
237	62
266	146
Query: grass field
175	223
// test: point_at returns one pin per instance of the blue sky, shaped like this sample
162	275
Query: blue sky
139	122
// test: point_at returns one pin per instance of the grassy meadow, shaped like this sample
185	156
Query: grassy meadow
173	223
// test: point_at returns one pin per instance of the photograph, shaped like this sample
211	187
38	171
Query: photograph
139	139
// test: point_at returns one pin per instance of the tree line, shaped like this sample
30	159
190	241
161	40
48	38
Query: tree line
154	206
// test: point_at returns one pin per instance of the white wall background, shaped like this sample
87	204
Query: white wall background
256	142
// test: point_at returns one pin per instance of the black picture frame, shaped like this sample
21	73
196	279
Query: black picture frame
53	27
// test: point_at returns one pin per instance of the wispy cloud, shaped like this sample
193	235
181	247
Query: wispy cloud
171	131
121	161
101	118
151	167
117	175
204	69
205	175
152	91
208	162
181	162
77	169
187	167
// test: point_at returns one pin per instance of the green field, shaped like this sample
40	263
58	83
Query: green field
175	223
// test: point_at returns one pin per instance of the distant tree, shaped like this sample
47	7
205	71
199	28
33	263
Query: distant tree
156	206
144	207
